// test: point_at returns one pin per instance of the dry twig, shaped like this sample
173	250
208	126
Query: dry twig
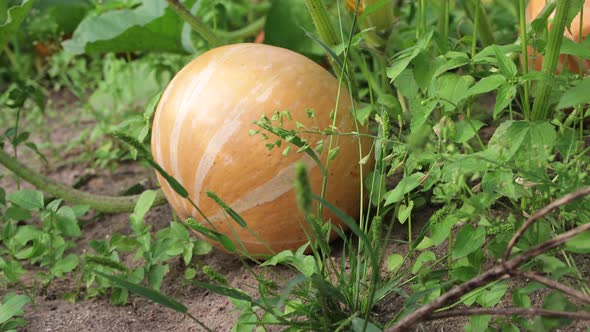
502	270
541	213
531	312
555	285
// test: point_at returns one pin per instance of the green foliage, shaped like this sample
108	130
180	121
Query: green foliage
45	245
14	17
149	27
450	113
11	310
285	26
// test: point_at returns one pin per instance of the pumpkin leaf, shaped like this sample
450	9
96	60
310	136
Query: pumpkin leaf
151	26
14	17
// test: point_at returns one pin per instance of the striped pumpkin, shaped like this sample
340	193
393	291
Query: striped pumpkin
201	136
572	32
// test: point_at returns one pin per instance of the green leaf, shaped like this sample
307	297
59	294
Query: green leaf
580	50
362	114
305	264
478	323
394	261
233	214
17	213
468	240
156	275
285	256
505	64
13	271
407	184
233	293
403	213
284	26
425	243
152	26
452	60
27	198
464	273
406	84
530	144
486	84
579	244
488	54
576	96
425	67
452	89
148	293
559	302
144	203
225	241
491	297
65	265
421	111
506	94
425	257
67	223
465	130
403	59
360	325
12	307
14	17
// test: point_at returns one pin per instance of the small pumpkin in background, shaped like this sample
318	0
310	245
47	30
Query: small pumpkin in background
573	32
202	136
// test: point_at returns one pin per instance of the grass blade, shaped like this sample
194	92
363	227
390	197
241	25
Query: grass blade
148	293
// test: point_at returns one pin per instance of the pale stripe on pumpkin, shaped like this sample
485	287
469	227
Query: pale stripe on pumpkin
279	185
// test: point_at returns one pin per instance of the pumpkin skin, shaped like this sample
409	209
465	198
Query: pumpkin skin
573	32
200	136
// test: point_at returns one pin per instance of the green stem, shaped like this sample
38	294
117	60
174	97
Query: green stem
100	203
485	29
12	59
195	23
475	28
248	31
443	23
543	91
524	57
321	20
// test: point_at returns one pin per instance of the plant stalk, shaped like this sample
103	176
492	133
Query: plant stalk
321	20
100	203
485	33
524	57
543	91
195	23
248	31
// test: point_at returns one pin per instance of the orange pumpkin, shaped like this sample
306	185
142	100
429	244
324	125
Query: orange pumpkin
201	136
573	32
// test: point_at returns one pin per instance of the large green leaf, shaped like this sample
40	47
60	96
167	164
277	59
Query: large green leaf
576	95
151	26
286	23
67	14
12	306
15	15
